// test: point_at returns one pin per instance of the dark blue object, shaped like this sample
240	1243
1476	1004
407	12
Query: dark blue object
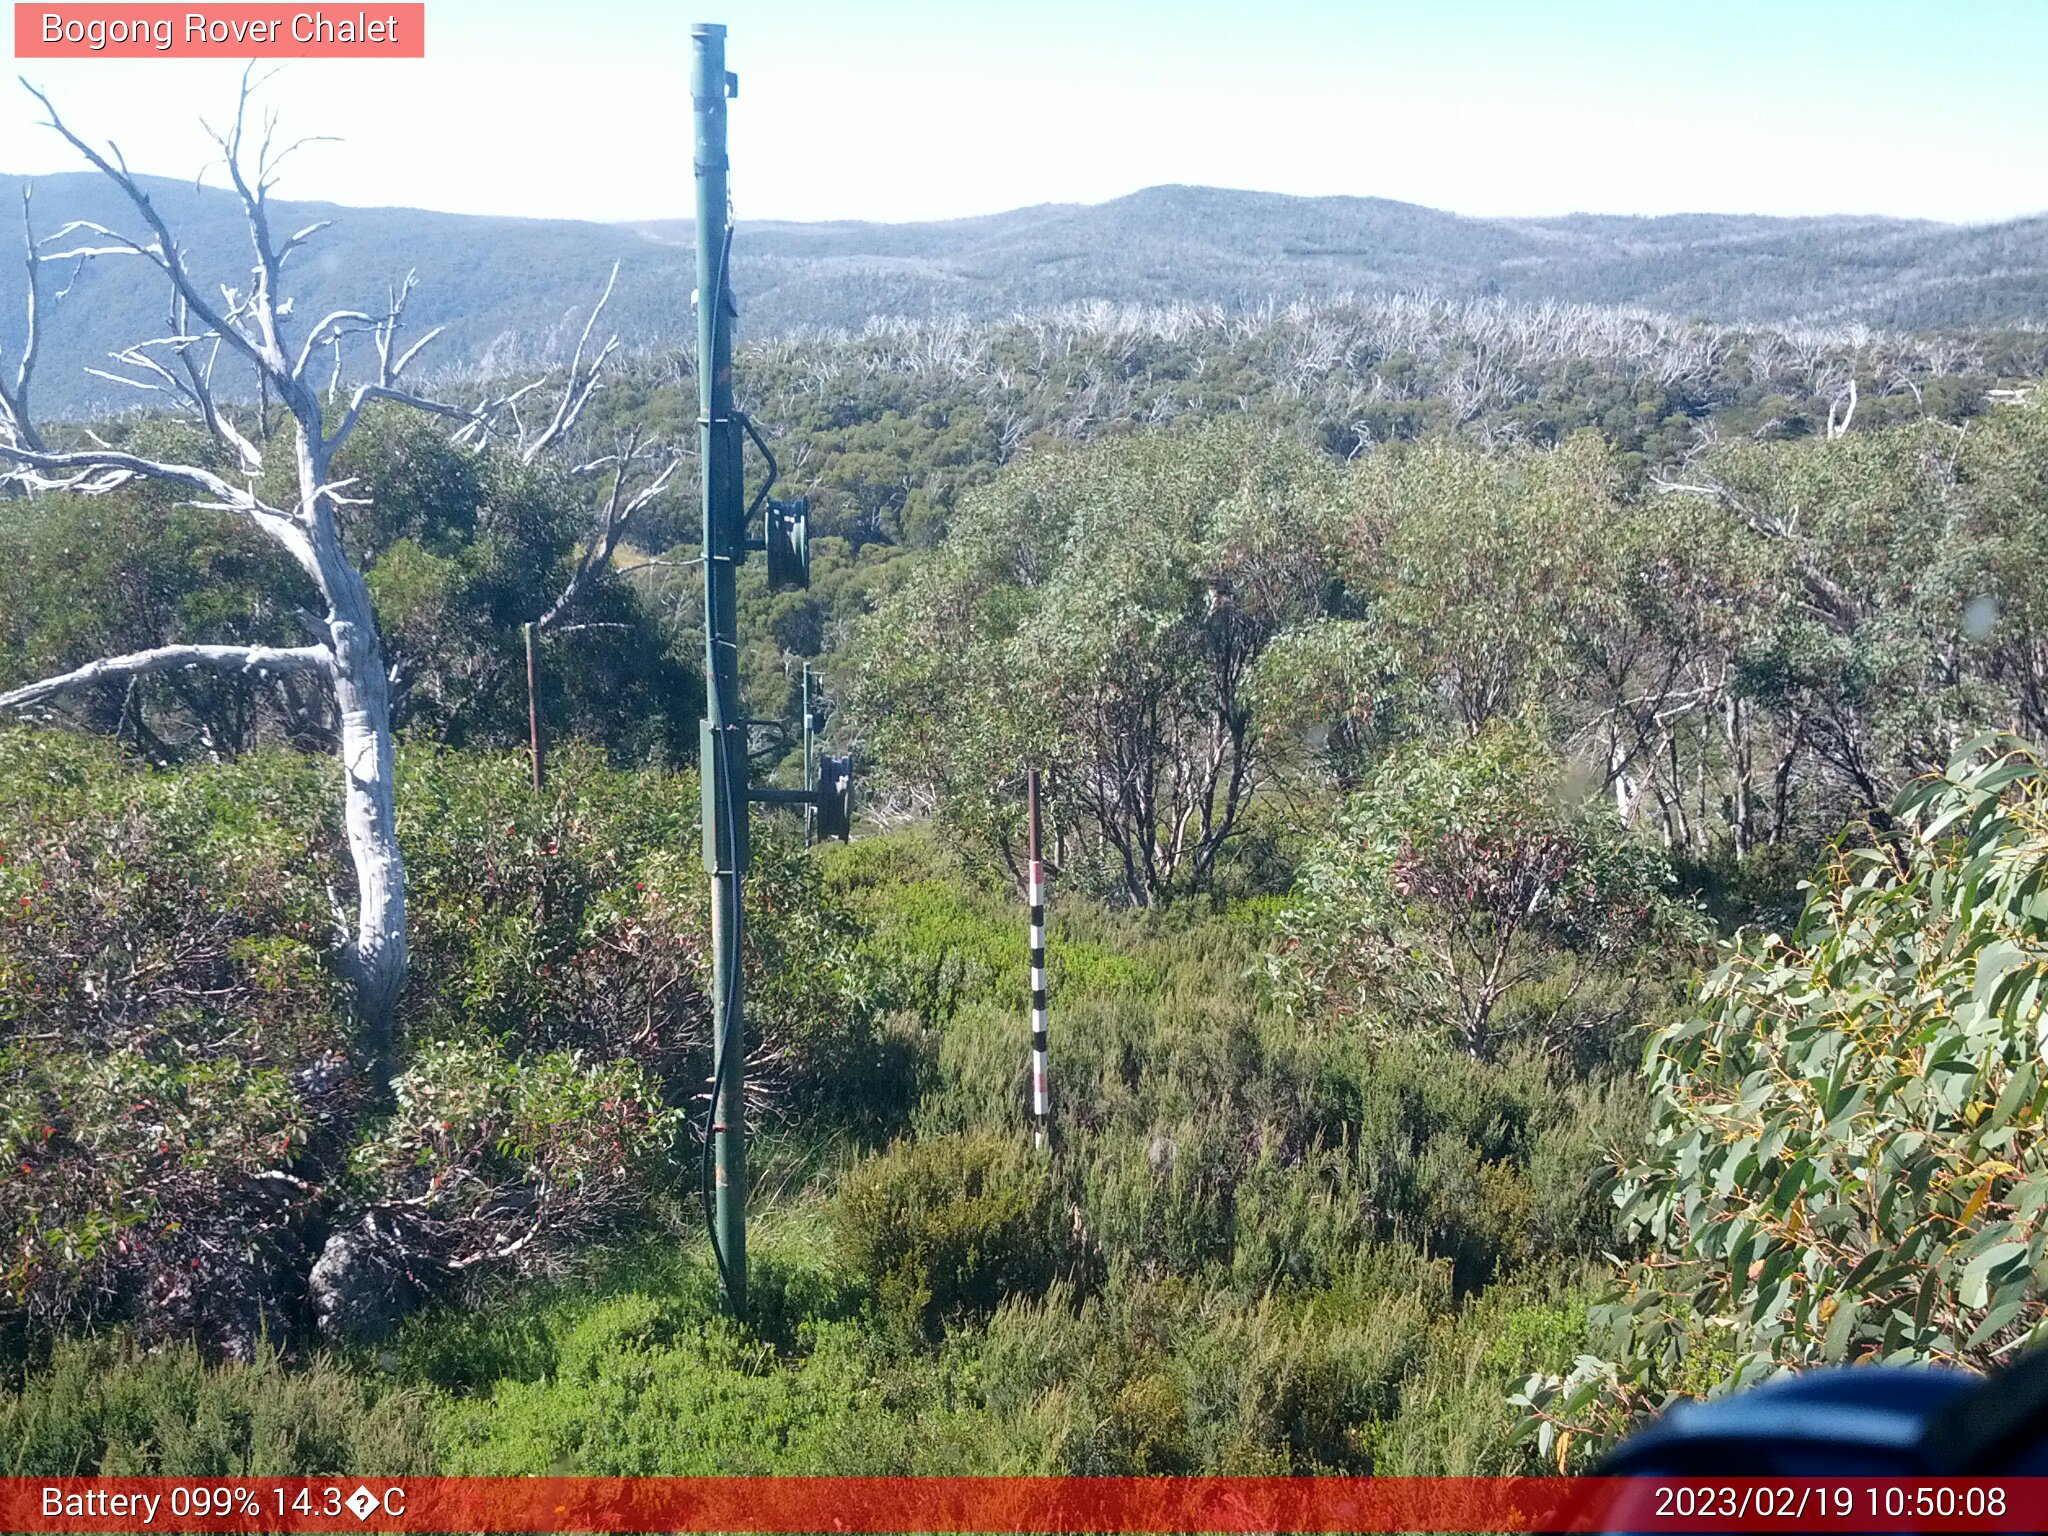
1856	1421
1852	1421
1863	1421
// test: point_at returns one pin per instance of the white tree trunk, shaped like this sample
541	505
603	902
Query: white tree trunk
362	695
375	957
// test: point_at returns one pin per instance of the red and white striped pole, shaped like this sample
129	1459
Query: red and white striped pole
1041	1098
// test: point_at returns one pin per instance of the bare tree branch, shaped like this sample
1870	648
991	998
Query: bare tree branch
164	254
15	400
110	469
250	659
614	515
332	328
581	383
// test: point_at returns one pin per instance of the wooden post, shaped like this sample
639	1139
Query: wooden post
536	748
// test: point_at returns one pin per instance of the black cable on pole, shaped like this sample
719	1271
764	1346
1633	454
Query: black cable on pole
707	1184
724	1037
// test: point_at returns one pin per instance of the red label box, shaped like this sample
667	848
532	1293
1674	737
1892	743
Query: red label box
238	31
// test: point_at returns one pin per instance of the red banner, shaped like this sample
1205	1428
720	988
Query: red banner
237	31
1023	1504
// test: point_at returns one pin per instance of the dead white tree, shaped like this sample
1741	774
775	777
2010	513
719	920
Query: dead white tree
620	502
624	494
616	507
1842	410
248	326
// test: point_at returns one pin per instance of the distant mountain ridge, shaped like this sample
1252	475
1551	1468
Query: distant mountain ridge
511	291
1210	245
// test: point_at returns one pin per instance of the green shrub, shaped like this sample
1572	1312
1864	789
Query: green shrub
942	943
1299	1225
1168	1375
186	1111
645	1389
177	1040
577	919
947	1228
1309	1376
518	1162
1461	874
1491	1165
1455	1418
102	1409
1157	1204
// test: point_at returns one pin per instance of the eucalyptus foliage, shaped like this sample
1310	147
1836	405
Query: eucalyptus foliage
1100	615
1846	1160
1459	875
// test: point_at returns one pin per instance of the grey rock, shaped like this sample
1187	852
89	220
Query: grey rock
359	1289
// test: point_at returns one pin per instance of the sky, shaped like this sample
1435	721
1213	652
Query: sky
923	109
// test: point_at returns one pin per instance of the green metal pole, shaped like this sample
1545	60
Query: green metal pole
723	759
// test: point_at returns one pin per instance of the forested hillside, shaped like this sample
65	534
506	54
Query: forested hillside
513	291
1240	249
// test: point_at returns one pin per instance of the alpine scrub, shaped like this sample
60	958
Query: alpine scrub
1846	1159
